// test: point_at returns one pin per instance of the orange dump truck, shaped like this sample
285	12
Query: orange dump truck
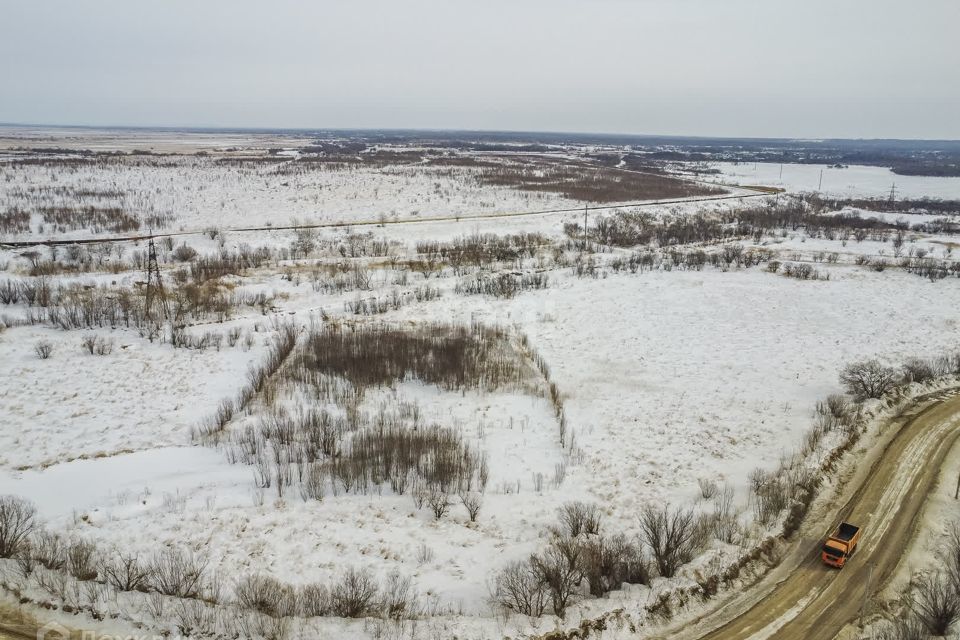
840	545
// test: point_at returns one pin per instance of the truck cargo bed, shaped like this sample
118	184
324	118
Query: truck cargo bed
846	531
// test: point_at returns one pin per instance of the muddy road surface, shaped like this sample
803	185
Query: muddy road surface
811	601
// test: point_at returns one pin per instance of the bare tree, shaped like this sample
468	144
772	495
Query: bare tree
935	602
669	534
354	595
18	519
125	573
472	501
868	379
519	588
559	568
439	501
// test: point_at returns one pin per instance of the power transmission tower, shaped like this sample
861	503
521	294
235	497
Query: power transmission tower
155	293
893	192
584	227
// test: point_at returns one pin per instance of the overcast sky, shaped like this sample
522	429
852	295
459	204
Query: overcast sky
803	68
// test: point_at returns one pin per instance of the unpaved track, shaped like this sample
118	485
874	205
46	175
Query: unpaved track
816	602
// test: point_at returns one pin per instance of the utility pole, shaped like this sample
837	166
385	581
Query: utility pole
956	494
821	180
781	172
866	593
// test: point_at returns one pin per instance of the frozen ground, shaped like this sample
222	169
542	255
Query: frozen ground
667	378
853	181
695	375
75	404
199	193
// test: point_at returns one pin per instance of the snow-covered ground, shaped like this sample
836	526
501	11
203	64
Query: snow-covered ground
200	193
854	181
667	377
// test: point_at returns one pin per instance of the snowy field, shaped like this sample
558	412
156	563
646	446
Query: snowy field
666	377
854	181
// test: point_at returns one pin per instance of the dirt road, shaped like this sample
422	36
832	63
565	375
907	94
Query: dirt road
806	600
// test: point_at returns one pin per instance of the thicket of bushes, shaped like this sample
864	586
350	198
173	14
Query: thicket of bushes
177	585
453	357
502	285
483	250
80	306
393	301
577	560
632	229
334	446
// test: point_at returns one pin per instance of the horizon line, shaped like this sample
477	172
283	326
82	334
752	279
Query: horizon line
422	130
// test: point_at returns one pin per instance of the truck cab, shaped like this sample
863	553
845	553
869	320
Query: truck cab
840	545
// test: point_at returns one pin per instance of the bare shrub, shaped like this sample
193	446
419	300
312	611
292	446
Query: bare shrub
519	588
81	560
838	406
267	595
177	573
89	343
425	554
918	370
25	560
184	253
771	493
314	600
314	481
399	598
724	516
354	595
559	569
935	602
472	501
950	555
868	379
439	501
125	573
608	563
104	346
18	519
907	627
708	488
670	535
49	551
217	423
43	349
251	624
580	517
